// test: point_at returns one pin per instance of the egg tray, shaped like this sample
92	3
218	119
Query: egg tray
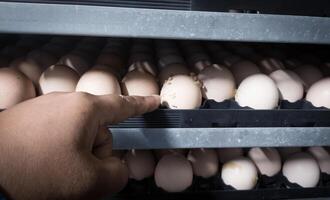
214	188
229	114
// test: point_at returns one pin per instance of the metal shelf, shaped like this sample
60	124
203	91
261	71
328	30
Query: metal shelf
155	138
151	23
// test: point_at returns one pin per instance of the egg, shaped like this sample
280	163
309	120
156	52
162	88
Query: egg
139	83
204	162
98	81
43	58
141	164
286	152
309	74
181	92
217	83
257	91
322	156
243	69
159	153
58	78
172	70
289	85
267	160
227	154
173	173
77	63
319	93
302	169
269	65
240	173
28	67
15	87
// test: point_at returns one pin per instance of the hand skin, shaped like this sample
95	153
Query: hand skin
56	146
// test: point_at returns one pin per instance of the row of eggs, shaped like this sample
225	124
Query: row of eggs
175	168
257	91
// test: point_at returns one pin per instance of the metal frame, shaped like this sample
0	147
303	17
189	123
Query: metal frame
151	23
158	138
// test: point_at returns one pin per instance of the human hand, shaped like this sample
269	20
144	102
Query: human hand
57	146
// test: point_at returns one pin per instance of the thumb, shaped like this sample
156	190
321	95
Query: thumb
114	174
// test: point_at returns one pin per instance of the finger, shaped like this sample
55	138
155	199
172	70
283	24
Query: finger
102	147
118	108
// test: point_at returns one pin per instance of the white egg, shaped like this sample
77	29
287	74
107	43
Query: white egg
78	63
28	67
141	164
309	74
289	84
58	78
98	81
267	160
172	70
173	173
302	169
323	158
319	93
139	83
227	154
243	69
181	92
258	92
217	83
269	65
205	162
240	173
15	87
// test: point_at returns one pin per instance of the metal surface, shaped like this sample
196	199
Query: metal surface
153	138
151	23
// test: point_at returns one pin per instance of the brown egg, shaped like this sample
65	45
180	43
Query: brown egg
98	81
173	173
15	87
139	83
319	93
172	70
78	63
243	69
205	162
218	83
58	78
141	164
181	92
28	67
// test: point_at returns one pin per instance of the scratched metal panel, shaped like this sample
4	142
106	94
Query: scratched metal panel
152	23
158	138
